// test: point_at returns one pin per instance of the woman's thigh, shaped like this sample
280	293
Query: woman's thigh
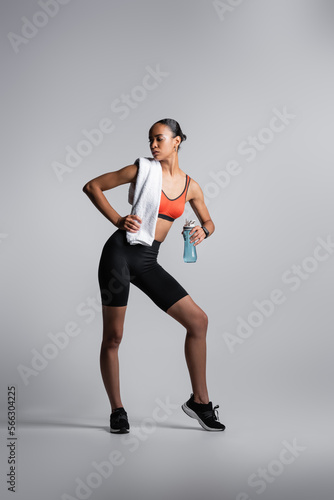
160	286
113	272
189	314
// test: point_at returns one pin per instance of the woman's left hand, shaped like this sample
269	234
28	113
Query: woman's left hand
196	235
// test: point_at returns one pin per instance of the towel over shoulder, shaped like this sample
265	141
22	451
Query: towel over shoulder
144	196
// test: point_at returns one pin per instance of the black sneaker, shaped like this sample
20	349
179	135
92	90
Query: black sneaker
204	413
119	421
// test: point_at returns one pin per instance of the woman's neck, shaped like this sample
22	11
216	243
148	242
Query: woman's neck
170	166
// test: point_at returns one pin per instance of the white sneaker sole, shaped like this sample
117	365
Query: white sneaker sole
192	414
119	431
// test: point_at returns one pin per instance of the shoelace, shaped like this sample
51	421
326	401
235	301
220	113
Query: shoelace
212	413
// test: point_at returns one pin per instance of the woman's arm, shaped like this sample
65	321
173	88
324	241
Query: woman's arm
94	190
197	203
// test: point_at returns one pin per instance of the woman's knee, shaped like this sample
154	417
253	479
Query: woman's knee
113	322
190	315
112	337
198	324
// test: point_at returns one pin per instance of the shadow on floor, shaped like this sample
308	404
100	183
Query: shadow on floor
134	422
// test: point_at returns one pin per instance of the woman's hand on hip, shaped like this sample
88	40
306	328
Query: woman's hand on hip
129	223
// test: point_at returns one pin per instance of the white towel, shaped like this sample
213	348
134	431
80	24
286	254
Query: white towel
145	199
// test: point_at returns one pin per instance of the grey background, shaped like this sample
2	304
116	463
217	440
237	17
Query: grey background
224	76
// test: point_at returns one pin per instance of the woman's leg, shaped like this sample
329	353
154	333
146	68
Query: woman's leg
113	321
194	319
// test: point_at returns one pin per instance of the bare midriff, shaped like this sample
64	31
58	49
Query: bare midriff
161	229
163	226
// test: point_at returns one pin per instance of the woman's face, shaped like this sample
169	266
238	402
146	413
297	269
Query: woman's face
162	142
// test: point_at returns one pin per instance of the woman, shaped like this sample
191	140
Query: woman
122	263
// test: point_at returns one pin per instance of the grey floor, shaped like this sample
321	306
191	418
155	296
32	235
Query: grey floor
174	458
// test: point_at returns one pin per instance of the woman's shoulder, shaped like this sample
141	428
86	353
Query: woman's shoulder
194	189
192	181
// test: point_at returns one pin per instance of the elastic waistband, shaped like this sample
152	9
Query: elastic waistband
155	244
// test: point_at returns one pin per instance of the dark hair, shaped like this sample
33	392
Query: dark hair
174	127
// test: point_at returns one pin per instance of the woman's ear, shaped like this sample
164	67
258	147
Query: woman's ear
177	141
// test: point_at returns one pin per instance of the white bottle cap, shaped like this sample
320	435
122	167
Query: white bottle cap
189	223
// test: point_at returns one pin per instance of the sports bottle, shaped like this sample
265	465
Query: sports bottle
189	252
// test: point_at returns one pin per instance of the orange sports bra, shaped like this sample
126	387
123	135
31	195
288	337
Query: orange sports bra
172	209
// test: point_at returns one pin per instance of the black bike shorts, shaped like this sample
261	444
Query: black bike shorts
121	264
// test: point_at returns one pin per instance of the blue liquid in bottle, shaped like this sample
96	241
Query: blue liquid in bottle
189	253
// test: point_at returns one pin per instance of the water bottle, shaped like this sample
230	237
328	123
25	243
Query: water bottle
189	253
